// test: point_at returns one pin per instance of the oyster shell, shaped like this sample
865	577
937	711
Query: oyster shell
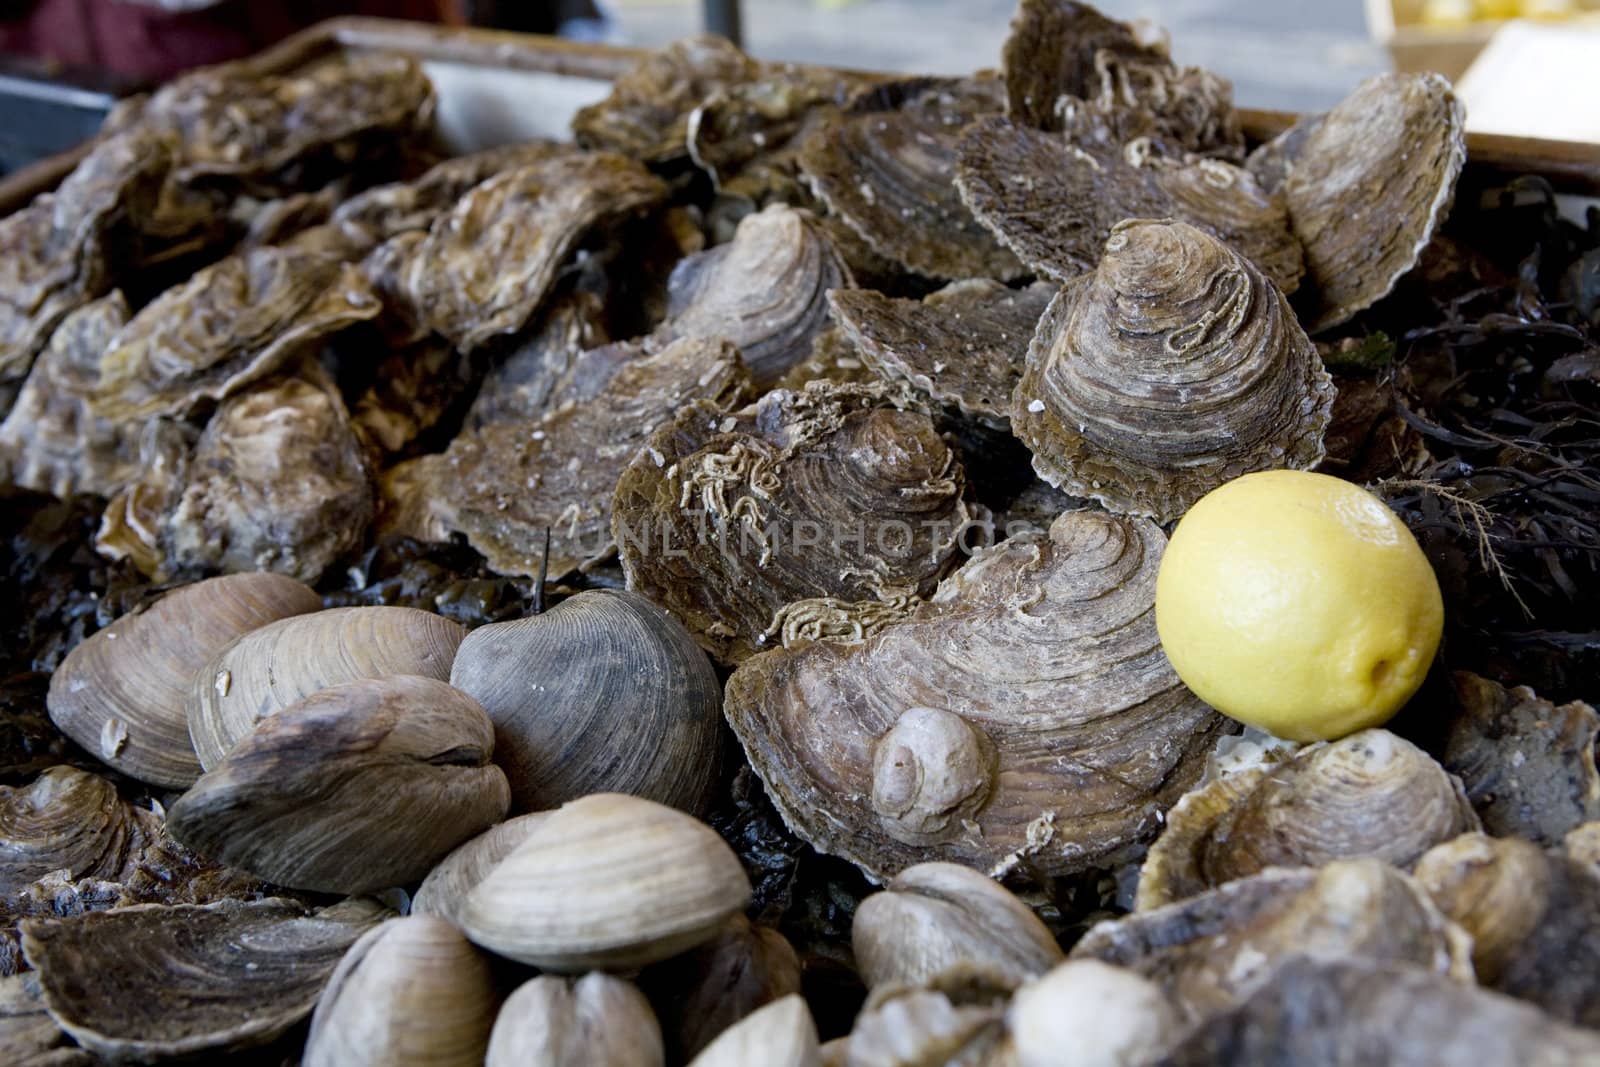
963	347
452	878
907	1026
886	167
356	788
1172	369
765	291
782	1034
834	359
135	518
413	389
1528	766
545	363
150	982
604	693
595	1021
1369	794
1108	1016
489	262
941	736
73	821
28	1036
233	323
1367	185
1054	203
826	496
1212	951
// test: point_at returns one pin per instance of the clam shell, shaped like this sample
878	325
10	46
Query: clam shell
905	1026
932	739
1108	1016
120	694
1369	794
609	882
782	1034
604	693
593	1021
445	889
412	990
73	821
266	670
1172	369
356	788
150	983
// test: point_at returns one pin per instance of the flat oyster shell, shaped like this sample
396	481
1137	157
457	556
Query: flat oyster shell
886	166
28	1036
51	441
765	291
707	517
1055	204
506	483
488	263
752	125
1025	716
1212	951
1050	53
542	364
1367	185
1172	369
233	323
73	821
964	347
152	982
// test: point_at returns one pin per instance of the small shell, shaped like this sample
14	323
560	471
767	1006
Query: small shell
605	693
150	983
356	788
593	1021
120	694
1108	1016
782	1034
907	1026
608	881
267	669
1172	369
1369	794
934	916
410	991
69	820
445	889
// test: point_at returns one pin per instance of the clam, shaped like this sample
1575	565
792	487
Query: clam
69	820
886	166
445	888
939	737
150	982
593	1021
1528	765
1534	917
828	496
1369	794
1367	185
1172	369
935	916
1108	1016
358	787
607	882
409	991
270	668
1212	951
120	694
604	693
782	1034
958	1023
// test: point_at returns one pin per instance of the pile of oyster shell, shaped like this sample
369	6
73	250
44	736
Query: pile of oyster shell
850	412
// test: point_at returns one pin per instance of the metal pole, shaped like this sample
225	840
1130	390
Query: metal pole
722	16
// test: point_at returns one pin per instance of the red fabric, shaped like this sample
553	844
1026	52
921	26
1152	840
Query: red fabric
149	44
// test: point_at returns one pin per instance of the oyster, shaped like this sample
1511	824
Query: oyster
595	1021
1172	369
765	291
489	262
647	114
963	347
28	1036
943	735
1367	185
827	496
1054	203
413	389
710	989
1212	951
953	1022
1528	766
833	358
151	982
233	323
546	361
1369	794
73	821
886	166
134	521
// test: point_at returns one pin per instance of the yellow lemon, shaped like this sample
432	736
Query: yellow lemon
1298	603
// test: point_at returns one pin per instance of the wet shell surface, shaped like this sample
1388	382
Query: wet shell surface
73	821
1369	794
905	1025
445	889
815	509
28	1036
1172	369
782	1034
604	693
1109	1016
593	1021
940	735
267	669
149	983
120	694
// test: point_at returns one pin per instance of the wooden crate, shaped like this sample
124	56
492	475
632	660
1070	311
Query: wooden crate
1450	50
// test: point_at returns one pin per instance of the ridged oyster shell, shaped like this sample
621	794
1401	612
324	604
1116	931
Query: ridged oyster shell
941	737
1172	369
73	821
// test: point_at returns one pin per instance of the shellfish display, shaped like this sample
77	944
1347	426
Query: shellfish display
683	593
